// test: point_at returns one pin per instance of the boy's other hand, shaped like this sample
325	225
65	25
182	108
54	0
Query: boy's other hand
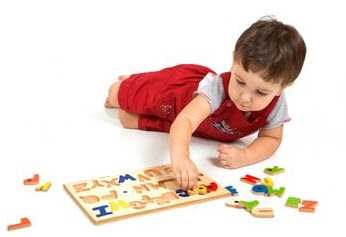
185	172
232	157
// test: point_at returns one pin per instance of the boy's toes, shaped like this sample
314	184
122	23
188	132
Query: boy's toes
123	77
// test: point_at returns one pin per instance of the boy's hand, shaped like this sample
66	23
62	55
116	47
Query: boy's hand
185	172
233	157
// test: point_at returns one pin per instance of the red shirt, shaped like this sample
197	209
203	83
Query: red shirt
159	96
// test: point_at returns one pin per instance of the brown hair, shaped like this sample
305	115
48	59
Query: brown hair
275	50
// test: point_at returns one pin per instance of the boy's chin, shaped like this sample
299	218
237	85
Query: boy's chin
243	108
248	109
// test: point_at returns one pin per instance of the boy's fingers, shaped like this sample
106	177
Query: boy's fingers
192	180
222	146
225	149
222	156
184	180
223	162
220	150
178	177
223	152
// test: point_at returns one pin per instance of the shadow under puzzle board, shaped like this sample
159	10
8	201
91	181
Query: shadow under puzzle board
117	197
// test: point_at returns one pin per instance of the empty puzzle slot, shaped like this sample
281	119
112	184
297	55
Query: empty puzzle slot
170	184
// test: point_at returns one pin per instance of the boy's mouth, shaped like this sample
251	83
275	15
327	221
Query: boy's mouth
242	107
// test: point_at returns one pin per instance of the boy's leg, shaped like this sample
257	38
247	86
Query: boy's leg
112	98
144	122
128	120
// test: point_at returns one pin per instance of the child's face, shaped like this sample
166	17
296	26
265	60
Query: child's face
249	91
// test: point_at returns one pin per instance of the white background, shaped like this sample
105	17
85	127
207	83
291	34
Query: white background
57	59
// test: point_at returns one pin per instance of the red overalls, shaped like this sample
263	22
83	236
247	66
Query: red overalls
158	97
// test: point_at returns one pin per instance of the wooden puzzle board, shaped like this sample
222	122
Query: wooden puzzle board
117	197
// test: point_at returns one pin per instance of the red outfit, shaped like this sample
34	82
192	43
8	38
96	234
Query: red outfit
159	96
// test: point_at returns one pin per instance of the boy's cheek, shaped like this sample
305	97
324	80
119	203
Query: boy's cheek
260	104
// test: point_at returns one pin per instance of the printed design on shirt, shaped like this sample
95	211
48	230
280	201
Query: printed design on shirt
225	128
166	109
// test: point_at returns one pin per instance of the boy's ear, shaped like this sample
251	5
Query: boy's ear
283	88
279	92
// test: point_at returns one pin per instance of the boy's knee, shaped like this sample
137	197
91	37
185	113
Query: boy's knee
128	120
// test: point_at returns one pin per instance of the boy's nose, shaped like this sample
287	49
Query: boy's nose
245	98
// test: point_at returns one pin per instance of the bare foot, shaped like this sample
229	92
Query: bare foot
112	98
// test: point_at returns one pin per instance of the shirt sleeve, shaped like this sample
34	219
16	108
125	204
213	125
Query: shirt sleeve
211	88
279	114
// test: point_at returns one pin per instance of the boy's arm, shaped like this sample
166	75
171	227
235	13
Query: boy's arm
180	135
267	142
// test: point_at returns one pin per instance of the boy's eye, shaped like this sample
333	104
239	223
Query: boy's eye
240	82
261	93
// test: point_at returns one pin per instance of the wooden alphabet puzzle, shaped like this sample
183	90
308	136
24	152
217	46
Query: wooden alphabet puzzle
117	197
